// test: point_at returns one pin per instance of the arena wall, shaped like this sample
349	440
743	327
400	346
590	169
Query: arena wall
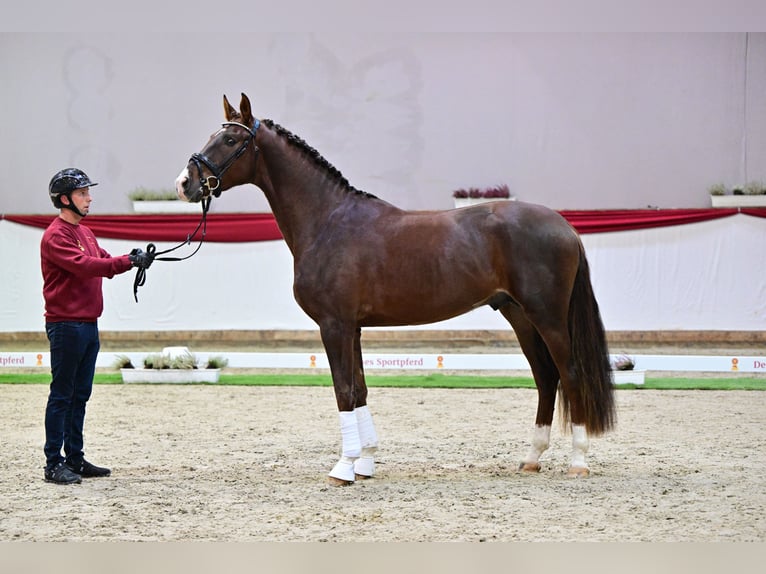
573	121
705	276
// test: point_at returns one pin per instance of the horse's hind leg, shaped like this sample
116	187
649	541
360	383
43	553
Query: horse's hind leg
546	379
558	343
364	466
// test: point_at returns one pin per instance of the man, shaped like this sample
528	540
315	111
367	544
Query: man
73	265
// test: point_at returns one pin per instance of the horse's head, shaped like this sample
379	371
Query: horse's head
218	166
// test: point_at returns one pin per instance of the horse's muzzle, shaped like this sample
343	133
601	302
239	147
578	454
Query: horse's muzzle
182	185
207	186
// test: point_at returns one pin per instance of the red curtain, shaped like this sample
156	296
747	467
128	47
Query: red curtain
247	227
221	227
602	221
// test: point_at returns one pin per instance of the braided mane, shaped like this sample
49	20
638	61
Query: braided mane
316	157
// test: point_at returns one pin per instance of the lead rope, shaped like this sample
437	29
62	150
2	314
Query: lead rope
151	248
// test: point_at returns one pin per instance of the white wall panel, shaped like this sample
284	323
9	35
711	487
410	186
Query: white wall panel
701	276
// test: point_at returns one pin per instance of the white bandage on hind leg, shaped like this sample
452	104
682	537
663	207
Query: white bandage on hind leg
365	464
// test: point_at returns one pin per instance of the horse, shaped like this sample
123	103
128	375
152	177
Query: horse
360	261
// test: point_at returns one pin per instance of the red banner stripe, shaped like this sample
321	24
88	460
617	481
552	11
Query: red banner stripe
248	227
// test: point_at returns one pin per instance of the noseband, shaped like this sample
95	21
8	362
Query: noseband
211	183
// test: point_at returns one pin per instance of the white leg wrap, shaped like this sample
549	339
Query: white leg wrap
351	449
365	464
580	445
349	432
367	435
540	441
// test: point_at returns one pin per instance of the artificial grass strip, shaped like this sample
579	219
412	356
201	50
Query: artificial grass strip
438	380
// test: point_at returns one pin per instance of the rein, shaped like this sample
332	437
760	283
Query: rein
208	185
151	248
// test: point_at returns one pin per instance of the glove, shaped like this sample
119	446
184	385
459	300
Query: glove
141	259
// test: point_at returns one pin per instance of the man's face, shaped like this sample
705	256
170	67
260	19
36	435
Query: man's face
81	199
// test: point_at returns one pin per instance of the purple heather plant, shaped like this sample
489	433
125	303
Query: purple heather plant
495	192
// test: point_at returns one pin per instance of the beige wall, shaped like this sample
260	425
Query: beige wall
574	121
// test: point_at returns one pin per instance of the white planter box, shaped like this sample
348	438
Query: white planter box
466	201
628	377
738	200
173	376
170	206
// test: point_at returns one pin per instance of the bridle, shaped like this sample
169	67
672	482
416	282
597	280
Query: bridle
211	183
208	185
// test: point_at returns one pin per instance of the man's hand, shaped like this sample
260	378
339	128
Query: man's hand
141	259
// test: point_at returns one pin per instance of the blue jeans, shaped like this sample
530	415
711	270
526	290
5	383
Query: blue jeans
74	348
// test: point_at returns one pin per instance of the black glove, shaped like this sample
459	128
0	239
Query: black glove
141	259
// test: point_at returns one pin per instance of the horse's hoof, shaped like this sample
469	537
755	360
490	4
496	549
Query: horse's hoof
578	472
529	467
362	477
332	481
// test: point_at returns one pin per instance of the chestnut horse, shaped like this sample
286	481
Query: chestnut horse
360	261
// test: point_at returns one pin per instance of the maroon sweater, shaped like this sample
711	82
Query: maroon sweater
73	266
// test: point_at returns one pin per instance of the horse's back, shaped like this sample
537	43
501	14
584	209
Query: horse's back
507	229
522	214
516	215
519	225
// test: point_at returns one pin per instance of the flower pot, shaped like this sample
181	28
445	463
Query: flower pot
173	376
166	206
466	201
628	377
738	200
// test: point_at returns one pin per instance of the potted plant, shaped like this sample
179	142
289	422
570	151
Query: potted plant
753	194
147	200
474	195
173	365
624	371
755	188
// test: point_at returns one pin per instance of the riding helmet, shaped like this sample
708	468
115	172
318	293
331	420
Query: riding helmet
65	182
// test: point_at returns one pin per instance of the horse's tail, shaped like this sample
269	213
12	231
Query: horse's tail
590	356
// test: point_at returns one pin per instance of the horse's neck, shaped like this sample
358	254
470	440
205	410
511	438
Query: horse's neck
300	192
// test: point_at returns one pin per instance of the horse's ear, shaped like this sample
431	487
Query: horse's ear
228	111
244	109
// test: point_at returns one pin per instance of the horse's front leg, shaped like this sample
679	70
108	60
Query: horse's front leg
339	345
364	466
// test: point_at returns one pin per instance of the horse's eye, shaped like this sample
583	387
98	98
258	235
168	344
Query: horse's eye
229	141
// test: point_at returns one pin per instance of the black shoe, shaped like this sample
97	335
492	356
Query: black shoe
88	470
61	474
